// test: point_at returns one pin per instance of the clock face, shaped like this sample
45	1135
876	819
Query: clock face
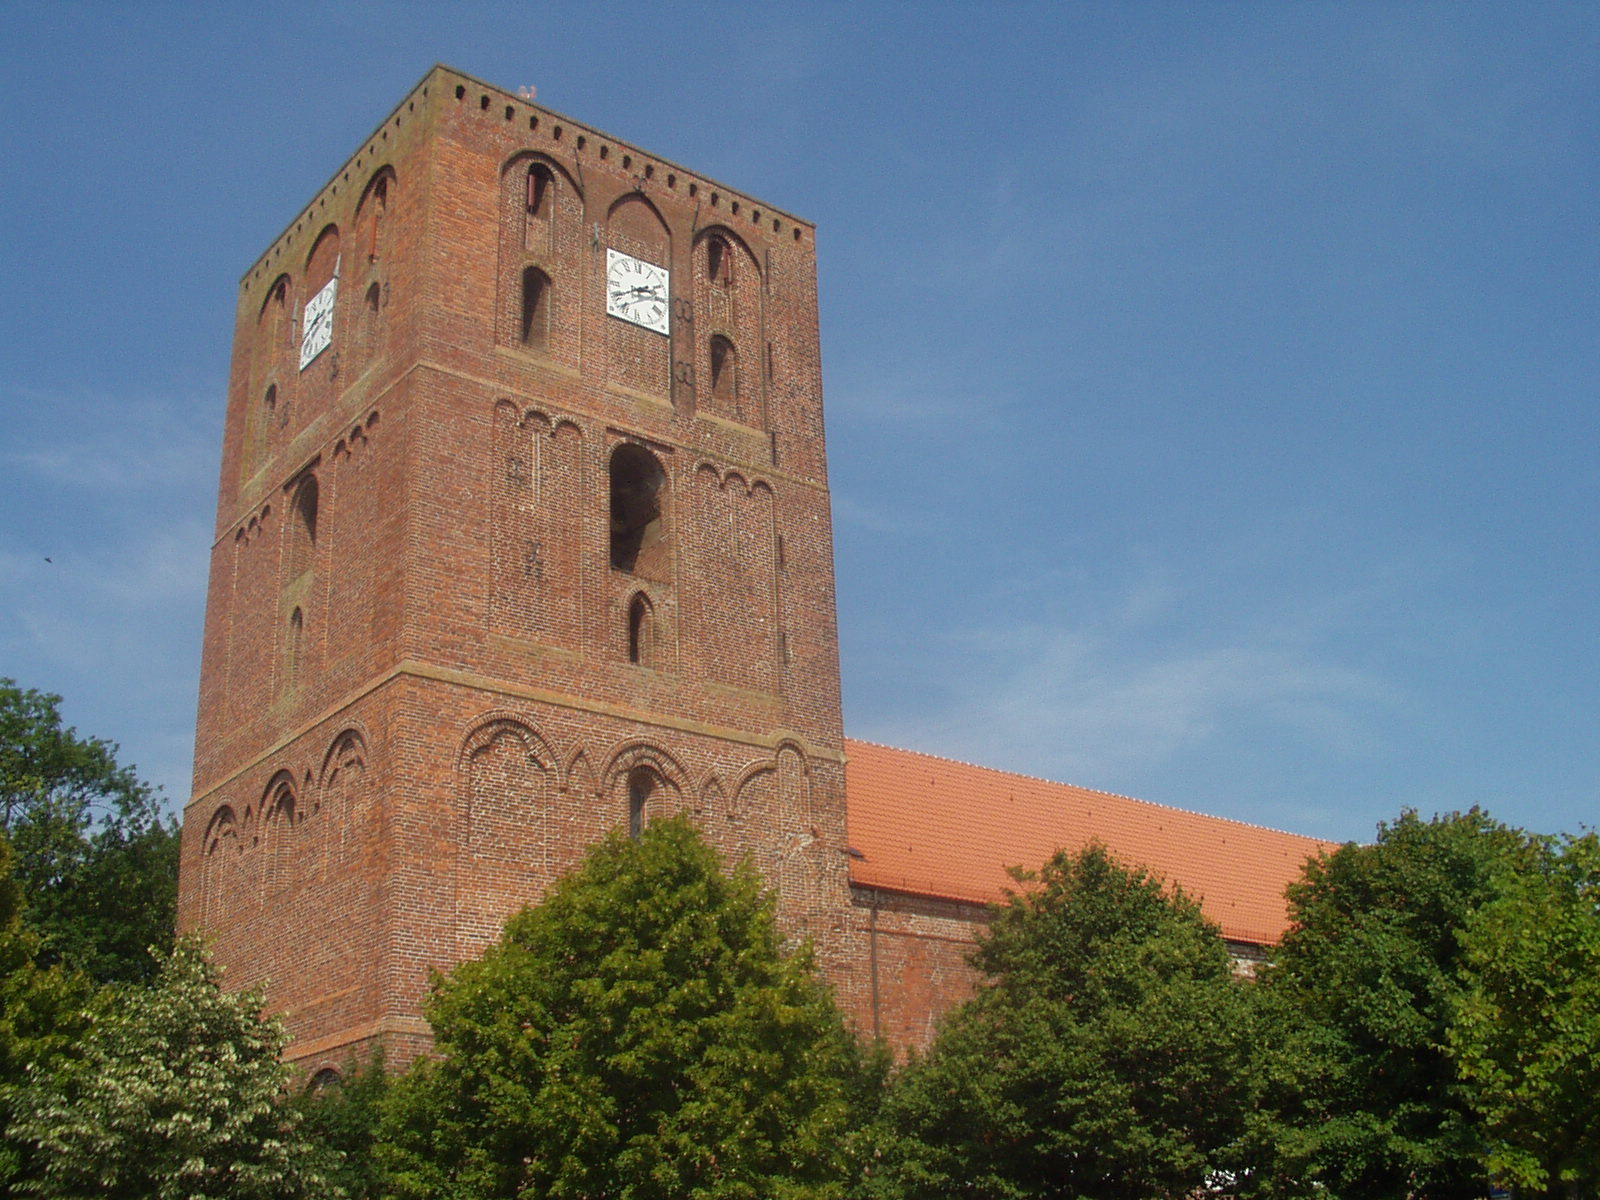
316	327
636	291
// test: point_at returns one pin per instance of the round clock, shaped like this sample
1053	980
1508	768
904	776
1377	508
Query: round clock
637	291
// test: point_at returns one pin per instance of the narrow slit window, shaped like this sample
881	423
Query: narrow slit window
641	784
297	626
639	632
540	185
535	317
719	262
724	369
380	204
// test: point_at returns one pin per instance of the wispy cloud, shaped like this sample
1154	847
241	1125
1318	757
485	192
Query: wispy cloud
106	443
1145	684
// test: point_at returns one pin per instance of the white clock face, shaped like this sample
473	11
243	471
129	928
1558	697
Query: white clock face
637	291
316	327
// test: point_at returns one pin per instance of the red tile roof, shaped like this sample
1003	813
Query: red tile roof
934	827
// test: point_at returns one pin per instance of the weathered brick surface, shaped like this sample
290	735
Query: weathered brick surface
417	700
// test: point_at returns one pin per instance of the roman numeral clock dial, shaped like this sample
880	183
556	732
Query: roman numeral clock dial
637	291
317	323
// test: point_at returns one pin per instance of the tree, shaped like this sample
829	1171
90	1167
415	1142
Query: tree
342	1119
43	1013
1526	1037
179	1095
94	855
640	1034
1373	961
1109	1055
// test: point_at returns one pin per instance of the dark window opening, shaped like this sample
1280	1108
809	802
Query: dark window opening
297	626
305	507
380	202
719	262
639	632
540	181
641	785
724	369
636	526
535	324
324	1080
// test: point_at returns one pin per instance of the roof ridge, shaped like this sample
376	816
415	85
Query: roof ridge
959	762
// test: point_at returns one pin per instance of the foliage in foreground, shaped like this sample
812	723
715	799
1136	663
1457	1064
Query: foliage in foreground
640	1034
342	1120
94	855
1373	964
43	1013
1108	1058
178	1095
1526	1036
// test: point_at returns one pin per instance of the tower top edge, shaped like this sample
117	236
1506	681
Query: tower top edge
425	92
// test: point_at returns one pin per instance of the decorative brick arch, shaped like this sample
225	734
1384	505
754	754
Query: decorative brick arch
713	800
508	777
579	778
643	782
728	293
280	813
220	849
342	794
541	209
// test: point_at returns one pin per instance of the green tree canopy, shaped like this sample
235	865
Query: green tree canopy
1373	961
1526	1037
1108	1057
640	1034
43	1013
94	855
178	1096
342	1119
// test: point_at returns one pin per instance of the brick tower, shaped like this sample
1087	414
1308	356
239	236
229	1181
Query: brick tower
523	535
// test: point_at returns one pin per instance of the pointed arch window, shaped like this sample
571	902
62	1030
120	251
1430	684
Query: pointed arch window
296	639
303	531
642	784
541	190
719	261
534	326
641	632
380	209
636	501
724	369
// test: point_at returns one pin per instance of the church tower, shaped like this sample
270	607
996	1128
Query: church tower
523	536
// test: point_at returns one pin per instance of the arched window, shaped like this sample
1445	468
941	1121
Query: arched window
535	322
297	629
636	519
642	782
724	369
325	1080
641	634
380	209
303	529
719	261
541	187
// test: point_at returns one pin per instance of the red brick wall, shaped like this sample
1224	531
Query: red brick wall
414	719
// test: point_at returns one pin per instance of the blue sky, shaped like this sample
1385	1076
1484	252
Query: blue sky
1212	388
